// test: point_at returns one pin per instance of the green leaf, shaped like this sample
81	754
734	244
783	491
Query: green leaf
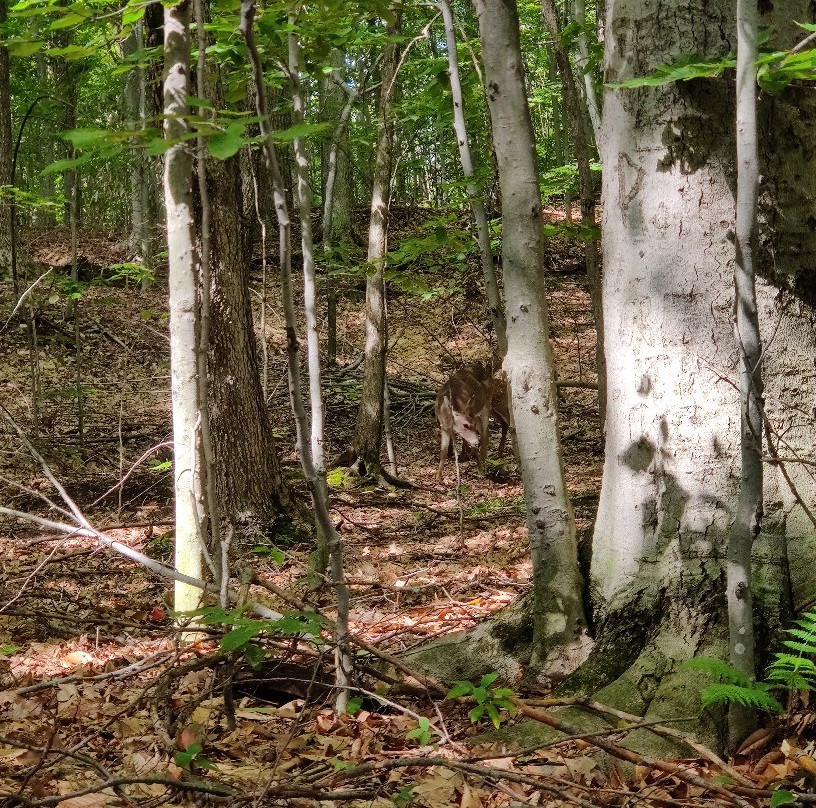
63	165
240	636
133	13
88	138
254	655
300	130
488	679
421	733
194	101
271	552
460	689
24	47
755	697
684	68
782	797
476	713
68	21
72	52
494	715
185	758
228	142
157	147
807	26
403	797
354	705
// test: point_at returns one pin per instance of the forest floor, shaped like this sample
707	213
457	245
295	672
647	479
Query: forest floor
99	706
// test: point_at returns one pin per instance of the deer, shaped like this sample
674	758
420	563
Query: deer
463	407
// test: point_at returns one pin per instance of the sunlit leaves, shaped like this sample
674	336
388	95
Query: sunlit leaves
684	68
228	142
777	70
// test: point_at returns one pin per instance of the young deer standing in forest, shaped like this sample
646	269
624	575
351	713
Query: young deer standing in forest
463	407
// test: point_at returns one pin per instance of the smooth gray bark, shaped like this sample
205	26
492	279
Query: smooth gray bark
748	520
315	465
560	639
368	434
573	106
494	299
670	491
590	96
337	201
318	491
182	259
303	198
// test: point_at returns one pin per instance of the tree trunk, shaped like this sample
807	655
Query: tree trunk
249	482
368	435
6	148
492	290
67	80
748	521
671	484
583	149
590	97
559	629
178	181
337	197
130	44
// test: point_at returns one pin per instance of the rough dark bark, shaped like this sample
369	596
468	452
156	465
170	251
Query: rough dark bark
250	484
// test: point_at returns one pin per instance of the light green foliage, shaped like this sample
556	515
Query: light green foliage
775	69
496	505
192	757
796	671
422	733
404	797
684	68
733	687
268	551
490	701
241	630
129	272
788	671
341	479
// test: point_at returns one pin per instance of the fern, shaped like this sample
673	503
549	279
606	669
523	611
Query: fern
788	671
734	687
755	696
796	671
717	669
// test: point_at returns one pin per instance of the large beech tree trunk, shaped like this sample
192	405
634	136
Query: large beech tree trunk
671	476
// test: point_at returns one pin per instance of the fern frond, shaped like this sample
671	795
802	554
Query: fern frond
755	696
792	672
805	635
718	670
807	619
